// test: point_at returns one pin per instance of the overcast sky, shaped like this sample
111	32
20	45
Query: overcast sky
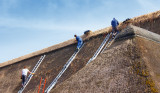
30	25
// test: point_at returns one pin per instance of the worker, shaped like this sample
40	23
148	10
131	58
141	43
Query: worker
25	71
114	24
79	41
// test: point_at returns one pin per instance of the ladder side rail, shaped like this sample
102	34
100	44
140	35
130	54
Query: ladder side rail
44	85
89	60
39	85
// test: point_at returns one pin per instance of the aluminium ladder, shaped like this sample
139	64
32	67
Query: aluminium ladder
42	84
100	48
62	71
33	71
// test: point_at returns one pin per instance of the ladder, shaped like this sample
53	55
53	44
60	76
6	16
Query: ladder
63	70
33	71
100	48
110	42
42	83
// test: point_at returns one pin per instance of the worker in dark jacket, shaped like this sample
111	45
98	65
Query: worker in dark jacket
79	41
114	24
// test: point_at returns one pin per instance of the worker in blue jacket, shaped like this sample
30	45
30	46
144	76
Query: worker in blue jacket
114	24
79	41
